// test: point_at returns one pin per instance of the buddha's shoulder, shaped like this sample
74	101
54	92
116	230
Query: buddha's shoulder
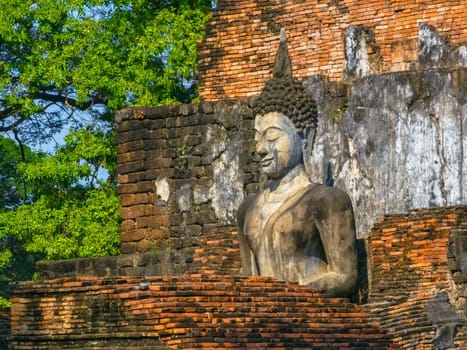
322	194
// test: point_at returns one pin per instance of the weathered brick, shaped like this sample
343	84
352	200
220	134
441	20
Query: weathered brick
408	274
244	43
134	199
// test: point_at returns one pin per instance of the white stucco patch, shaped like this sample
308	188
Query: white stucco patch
162	188
183	195
227	190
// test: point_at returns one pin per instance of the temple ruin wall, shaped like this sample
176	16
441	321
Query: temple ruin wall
184	170
235	58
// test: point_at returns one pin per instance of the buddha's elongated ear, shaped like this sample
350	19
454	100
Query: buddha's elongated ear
307	149
310	136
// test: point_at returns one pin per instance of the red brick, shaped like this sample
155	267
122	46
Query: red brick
239	74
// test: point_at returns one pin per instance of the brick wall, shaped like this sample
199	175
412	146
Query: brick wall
184	170
408	266
409	263
236	56
186	312
216	250
173	167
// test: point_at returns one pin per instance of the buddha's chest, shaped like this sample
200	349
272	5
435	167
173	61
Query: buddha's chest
278	226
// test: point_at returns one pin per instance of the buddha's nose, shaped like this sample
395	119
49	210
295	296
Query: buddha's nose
261	149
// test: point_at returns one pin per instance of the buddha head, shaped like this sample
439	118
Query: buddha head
278	144
285	125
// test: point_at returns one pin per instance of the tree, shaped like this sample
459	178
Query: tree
84	55
73	213
72	64
69	211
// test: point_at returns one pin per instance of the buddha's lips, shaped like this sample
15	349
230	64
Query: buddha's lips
266	162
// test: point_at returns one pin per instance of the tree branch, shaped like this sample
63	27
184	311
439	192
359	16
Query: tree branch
12	111
9	111
13	124
68	101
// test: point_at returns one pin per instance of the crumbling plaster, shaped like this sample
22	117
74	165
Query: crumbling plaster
399	145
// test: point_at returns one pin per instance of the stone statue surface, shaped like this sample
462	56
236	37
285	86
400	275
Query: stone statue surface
294	230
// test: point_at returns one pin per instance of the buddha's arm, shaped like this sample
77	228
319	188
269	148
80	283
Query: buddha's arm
246	254
335	222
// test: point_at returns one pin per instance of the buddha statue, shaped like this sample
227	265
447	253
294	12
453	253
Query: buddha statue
294	230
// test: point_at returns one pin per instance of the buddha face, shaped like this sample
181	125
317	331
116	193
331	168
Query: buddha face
277	144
